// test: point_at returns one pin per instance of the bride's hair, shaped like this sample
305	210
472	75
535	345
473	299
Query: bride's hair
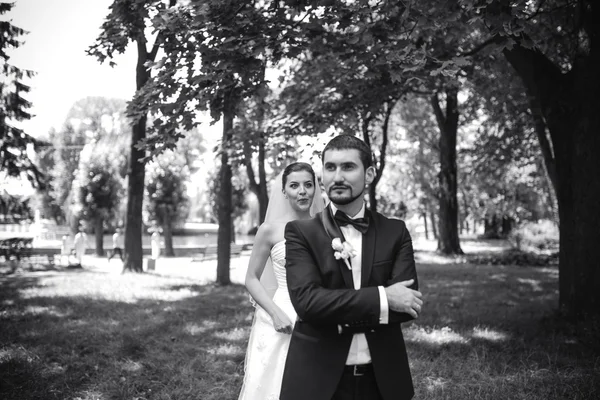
296	167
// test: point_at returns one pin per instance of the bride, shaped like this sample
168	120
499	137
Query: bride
291	199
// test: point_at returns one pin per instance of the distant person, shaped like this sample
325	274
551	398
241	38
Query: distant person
80	244
118	244
155	243
64	248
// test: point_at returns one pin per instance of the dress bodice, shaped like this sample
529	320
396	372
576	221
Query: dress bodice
278	260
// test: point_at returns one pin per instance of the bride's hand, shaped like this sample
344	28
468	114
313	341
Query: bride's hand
282	323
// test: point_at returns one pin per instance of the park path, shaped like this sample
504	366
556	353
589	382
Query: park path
206	271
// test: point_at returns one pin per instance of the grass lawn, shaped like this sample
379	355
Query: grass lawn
487	332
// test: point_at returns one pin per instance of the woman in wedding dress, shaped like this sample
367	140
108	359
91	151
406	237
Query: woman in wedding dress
291	198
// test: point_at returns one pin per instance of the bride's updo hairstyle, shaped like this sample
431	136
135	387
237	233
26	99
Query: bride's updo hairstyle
296	167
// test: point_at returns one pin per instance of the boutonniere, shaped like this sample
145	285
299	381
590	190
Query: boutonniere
343	251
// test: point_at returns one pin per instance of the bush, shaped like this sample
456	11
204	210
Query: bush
541	235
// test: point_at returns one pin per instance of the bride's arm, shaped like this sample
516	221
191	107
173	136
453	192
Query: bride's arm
261	250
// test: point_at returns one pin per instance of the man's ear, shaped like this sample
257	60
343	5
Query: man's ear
370	174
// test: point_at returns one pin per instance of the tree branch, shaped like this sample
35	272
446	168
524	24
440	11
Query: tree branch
384	140
545	145
159	38
249	170
437	110
496	39
539	74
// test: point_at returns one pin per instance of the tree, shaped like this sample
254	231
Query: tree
215	55
423	164
509	177
167	202
68	143
97	192
93	120
50	208
14	142
239	193
251	136
14	208
326	92
127	22
553	46
448	241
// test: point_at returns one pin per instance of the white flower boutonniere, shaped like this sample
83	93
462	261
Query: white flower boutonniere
343	251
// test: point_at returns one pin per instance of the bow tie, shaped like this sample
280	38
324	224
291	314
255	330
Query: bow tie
360	224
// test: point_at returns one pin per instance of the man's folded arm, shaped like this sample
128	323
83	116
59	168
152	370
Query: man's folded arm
403	270
317	304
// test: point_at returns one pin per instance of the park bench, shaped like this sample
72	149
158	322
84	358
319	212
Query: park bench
17	247
210	252
21	248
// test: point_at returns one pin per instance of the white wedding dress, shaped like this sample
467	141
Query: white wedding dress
267	348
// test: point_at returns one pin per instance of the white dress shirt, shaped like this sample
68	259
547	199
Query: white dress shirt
359	349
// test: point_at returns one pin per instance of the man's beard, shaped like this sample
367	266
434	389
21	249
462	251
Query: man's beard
342	201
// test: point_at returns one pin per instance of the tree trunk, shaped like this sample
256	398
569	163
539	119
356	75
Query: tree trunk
136	172
491	227
263	194
433	224
168	234
570	105
424	215
545	145
549	161
135	198
98	233
259	188
448	239
224	234
378	163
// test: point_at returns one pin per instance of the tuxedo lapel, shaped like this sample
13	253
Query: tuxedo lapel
368	251
333	231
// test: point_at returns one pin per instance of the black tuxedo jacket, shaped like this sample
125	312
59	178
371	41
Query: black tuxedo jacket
322	292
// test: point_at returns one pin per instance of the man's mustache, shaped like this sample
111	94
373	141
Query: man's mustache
338	187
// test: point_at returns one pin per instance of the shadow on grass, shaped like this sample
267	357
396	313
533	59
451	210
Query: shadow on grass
90	335
493	332
487	332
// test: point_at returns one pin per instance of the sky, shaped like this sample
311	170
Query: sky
59	33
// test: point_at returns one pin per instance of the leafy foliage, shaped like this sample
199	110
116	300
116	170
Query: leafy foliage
538	235
14	142
239	195
167	201
14	209
97	187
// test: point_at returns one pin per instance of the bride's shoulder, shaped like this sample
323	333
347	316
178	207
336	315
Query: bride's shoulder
270	232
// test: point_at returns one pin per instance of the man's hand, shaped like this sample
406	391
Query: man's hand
403	299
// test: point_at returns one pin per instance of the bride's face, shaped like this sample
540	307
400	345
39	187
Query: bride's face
299	190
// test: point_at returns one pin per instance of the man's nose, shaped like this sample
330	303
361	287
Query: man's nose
338	177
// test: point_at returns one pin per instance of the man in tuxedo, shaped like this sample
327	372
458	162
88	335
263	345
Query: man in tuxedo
347	342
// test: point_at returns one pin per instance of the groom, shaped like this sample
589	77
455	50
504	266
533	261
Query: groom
347	342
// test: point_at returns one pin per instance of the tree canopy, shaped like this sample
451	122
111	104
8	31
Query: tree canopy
15	144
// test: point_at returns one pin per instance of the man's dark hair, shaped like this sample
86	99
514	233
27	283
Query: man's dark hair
345	142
